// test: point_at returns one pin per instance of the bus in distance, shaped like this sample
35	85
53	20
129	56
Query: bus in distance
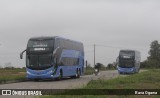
53	58
128	61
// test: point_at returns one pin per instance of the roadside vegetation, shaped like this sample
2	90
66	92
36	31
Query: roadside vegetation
89	70
153	60
12	74
144	80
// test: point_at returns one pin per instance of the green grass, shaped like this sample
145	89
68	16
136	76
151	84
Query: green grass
144	80
12	75
88	71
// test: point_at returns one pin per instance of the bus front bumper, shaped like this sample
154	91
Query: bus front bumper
126	70
43	74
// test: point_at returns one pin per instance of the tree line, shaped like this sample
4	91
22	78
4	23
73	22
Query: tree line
153	60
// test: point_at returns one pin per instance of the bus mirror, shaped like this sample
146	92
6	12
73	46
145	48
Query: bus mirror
55	51
21	54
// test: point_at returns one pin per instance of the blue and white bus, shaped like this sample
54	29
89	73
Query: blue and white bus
128	61
53	58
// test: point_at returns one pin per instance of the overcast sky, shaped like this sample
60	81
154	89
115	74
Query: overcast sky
118	24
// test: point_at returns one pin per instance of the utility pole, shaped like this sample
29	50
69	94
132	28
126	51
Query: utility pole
94	55
86	64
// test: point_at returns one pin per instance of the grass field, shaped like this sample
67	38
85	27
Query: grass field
88	71
145	80
11	75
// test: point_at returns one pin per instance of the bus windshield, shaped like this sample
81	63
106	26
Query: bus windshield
126	54
38	62
126	63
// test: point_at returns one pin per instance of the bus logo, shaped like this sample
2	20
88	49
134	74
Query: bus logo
6	92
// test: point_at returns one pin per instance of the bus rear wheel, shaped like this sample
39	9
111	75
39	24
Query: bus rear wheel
120	73
36	80
78	74
60	75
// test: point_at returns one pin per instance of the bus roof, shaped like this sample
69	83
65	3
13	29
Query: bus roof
68	39
129	50
42	38
50	37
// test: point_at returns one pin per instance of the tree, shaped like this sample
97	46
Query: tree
101	66
109	66
23	67
154	51
8	65
154	58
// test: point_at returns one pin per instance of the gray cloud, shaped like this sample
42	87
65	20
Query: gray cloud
118	23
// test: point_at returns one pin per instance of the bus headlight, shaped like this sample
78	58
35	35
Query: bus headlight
50	72
28	72
119	69
131	69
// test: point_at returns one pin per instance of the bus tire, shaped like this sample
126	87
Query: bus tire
60	76
73	77
78	74
36	80
120	73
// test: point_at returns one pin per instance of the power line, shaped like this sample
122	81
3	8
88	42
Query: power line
109	46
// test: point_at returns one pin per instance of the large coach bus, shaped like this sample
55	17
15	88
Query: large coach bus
128	61
53	58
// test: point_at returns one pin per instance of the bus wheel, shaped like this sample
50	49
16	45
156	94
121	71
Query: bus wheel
60	76
36	80
78	74
120	72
